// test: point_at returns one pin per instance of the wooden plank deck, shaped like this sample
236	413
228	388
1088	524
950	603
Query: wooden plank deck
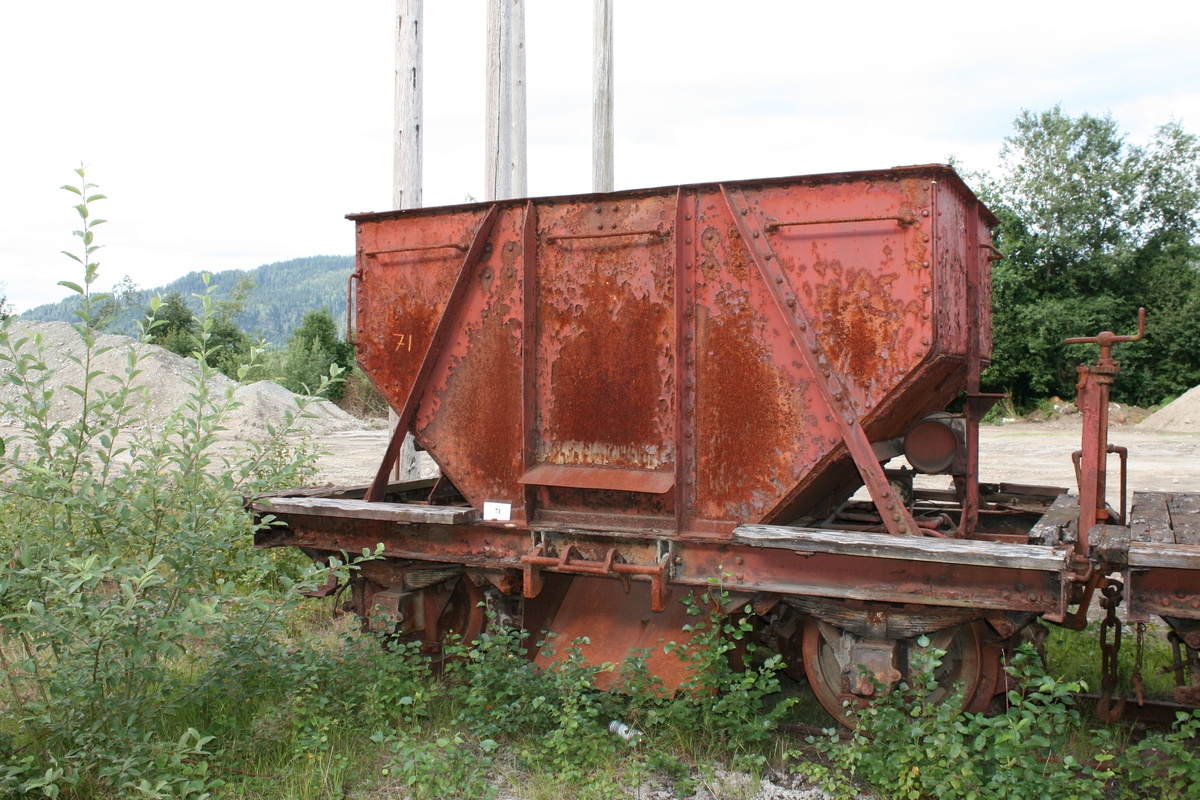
1165	530
1149	518
360	509
1055	526
904	548
1185	518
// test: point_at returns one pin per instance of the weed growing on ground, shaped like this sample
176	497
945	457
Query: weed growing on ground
725	701
1163	764
132	588
906	746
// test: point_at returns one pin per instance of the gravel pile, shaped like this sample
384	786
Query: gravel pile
166	374
1180	416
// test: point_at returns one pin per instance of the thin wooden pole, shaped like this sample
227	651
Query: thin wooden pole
407	160
406	166
602	96
520	187
498	156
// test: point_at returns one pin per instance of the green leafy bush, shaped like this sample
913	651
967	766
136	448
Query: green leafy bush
442	766
312	350
132	588
1163	764
906	746
724	701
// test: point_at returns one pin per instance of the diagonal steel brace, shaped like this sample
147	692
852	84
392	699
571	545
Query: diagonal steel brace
896	517
378	488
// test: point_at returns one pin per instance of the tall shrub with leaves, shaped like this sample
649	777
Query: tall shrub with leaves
1093	227
127	545
228	347
727	701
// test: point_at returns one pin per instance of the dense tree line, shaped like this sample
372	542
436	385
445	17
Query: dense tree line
310	352
1093	227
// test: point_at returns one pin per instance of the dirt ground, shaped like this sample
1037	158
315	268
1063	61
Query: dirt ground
1020	452
1040	453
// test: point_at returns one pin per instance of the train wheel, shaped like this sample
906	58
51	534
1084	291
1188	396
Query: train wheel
462	617
968	662
825	674
963	664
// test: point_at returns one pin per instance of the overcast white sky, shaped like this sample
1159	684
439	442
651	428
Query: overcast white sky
231	134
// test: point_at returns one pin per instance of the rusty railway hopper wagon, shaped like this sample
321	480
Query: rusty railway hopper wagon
631	395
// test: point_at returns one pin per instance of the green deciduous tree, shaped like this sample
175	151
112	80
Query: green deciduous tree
176	330
227	345
1092	228
312	349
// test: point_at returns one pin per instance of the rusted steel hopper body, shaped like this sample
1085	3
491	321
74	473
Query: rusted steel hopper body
675	361
637	395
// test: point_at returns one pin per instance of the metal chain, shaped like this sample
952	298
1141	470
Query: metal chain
1137	663
1106	710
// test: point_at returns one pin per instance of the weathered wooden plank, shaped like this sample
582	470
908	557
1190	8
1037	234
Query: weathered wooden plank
906	548
353	491
1185	503
1186	528
1149	519
1049	530
360	509
1109	543
1166	556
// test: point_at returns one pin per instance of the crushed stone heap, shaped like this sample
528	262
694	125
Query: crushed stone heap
263	403
1179	416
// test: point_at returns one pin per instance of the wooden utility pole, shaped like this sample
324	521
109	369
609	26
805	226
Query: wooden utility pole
520	187
498	153
602	96
406	166
406	163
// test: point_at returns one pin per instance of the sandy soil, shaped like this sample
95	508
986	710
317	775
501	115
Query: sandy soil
1041	453
351	457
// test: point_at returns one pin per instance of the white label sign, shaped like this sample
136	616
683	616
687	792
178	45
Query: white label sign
497	511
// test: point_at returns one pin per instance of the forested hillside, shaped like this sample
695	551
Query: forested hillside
282	293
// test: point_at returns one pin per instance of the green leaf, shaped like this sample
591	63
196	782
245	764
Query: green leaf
74	287
72	189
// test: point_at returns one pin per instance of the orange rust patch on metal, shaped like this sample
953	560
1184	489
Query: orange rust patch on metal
737	257
606	380
746	427
480	410
860	324
633	504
